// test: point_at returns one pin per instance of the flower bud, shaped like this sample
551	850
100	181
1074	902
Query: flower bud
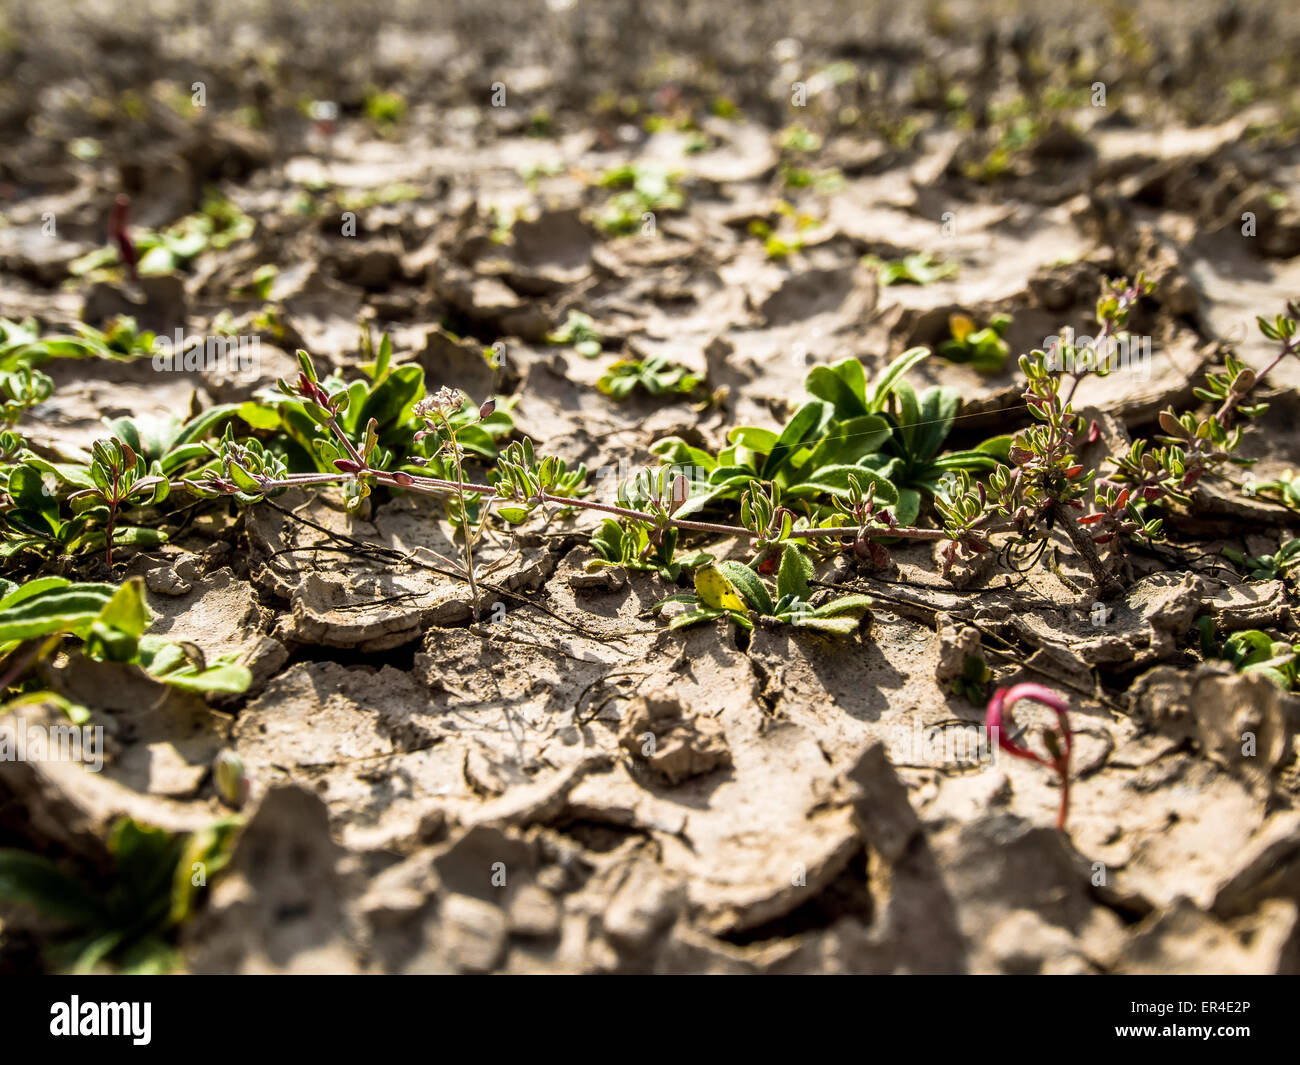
486	410
231	781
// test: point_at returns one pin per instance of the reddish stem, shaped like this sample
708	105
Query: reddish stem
1002	700
119	231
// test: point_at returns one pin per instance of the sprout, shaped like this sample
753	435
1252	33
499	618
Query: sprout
119	231
1059	744
231	780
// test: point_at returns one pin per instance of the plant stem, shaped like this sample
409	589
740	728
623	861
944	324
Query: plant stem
1107	585
464	517
436	486
112	518
343	437
1063	811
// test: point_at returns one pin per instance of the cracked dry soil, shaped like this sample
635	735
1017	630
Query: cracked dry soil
570	787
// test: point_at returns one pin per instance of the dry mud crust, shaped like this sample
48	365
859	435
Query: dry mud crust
568	786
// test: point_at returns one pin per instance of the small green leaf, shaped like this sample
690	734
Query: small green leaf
69	608
894	372
854	606
794	574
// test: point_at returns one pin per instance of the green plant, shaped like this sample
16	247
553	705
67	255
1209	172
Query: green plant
828	438
799	139
646	545
973	681
983	349
1285	489
734	590
15	340
787	237
1253	651
217	225
437	412
119	478
911	458
116	478
263	278
1047	483
1278	566
655	375
22	345
580	331
175	445
630	545
111	622
641	189
20	390
828	480
385	109
128	921
317	422
1196	444
37	520
918	269
826	182
67	507
327	419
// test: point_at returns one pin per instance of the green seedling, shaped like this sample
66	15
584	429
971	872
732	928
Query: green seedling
22	345
579	331
1253	651
655	375
385	109
641	189
799	139
787	237
216	226
737	592
1279	566
20	390
115	479
919	269
127	922
631	547
982	349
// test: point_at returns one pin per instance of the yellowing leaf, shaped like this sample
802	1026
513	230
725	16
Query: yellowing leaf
715	590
